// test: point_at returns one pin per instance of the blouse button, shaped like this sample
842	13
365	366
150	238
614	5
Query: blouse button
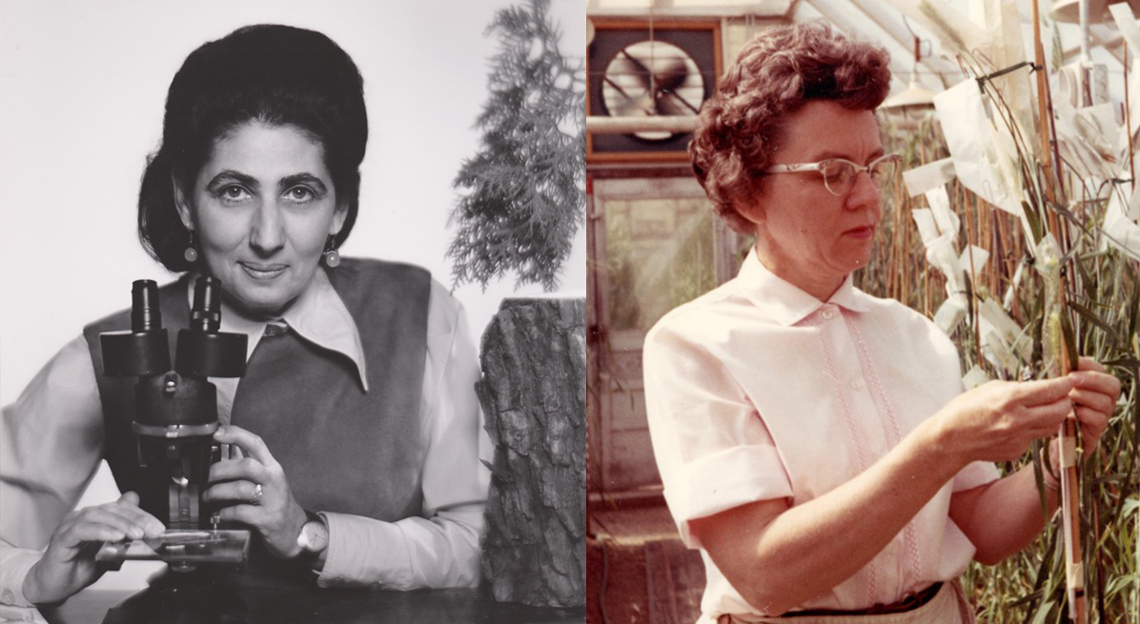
828	314
857	384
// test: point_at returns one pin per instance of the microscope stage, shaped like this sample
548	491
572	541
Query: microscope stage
181	547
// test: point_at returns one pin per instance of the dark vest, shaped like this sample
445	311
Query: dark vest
343	450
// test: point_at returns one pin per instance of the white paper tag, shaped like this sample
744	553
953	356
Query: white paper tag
1068	452
928	177
1075	574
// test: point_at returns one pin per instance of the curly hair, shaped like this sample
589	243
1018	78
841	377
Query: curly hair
776	73
279	75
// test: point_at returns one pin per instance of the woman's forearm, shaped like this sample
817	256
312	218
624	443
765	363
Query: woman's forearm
790	555
1004	516
803	551
412	553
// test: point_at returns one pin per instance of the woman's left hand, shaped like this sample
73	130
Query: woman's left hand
271	510
1094	399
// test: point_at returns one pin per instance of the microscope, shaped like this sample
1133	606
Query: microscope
176	415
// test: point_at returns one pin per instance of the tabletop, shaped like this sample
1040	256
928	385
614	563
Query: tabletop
277	606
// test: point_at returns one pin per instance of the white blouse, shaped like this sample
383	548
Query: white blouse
758	391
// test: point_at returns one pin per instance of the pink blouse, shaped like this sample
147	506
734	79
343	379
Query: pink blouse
759	391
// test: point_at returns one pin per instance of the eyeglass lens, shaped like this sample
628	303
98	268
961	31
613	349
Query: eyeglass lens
839	175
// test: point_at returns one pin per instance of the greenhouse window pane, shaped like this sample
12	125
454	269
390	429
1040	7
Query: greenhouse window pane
659	255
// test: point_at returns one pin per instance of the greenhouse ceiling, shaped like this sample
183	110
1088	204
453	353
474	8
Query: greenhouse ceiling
893	24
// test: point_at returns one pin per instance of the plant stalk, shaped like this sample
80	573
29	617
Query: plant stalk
1055	342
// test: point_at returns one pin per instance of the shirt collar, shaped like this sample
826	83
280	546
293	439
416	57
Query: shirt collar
318	315
786	303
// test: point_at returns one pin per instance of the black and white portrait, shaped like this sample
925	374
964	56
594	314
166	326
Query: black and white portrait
253	153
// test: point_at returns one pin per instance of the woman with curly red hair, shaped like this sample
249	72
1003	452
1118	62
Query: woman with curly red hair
814	441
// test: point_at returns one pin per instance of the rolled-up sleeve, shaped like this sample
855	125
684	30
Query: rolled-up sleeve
441	547
712	447
51	443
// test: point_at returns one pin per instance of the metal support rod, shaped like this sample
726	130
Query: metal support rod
1128	125
1071	522
1083	11
674	124
1086	59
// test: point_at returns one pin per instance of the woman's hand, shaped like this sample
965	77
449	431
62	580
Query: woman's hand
1094	399
257	492
999	420
68	564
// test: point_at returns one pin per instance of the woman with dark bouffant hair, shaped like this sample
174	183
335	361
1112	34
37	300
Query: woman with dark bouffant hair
356	417
814	441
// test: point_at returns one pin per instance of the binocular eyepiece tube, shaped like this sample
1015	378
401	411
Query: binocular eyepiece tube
175	410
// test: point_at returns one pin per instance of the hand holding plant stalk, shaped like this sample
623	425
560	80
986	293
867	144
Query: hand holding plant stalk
1019	167
1056	335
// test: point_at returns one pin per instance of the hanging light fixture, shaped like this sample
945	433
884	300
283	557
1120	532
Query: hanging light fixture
913	97
915	103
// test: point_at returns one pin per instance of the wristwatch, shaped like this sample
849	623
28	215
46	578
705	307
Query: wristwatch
314	537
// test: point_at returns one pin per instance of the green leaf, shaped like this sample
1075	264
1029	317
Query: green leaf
1043	612
1123	362
1091	317
1070	341
1132	505
1034	222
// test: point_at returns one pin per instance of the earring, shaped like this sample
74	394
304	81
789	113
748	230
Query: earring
331	256
191	253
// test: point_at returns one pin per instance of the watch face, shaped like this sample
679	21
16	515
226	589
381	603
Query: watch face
314	536
652	78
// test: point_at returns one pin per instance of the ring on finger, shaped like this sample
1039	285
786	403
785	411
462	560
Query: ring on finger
257	492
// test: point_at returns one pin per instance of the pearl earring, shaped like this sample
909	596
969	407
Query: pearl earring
191	253
331	256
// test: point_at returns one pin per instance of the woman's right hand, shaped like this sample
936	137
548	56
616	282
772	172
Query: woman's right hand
998	421
68	564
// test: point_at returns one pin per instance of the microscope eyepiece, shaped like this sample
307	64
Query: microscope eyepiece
145	313
143	349
206	315
202	350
